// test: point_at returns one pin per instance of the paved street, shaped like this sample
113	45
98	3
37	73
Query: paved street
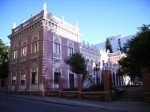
27	103
13	104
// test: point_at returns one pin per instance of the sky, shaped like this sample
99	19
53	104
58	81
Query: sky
97	19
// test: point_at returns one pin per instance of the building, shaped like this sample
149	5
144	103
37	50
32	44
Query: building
38	49
116	42
91	54
109	61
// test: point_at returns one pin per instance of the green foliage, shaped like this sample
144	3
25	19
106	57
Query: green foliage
137	53
108	45
97	87
4	60
77	64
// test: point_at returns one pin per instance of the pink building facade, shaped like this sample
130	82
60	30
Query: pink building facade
101	60
38	49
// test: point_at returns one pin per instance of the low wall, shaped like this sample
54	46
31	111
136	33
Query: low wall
92	95
69	94
53	93
36	93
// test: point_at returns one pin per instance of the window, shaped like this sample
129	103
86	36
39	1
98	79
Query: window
15	53
23	78
70	51
13	79
24	49
56	48
56	77
34	77
34	46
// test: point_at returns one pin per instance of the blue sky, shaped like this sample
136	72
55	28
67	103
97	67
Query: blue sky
97	19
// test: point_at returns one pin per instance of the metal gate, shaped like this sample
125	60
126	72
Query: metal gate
129	93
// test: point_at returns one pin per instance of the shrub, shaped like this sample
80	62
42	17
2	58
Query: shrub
95	87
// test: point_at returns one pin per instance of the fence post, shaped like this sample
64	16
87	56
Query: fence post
60	85
107	85
146	83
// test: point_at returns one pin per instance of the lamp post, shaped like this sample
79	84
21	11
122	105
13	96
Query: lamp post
96	69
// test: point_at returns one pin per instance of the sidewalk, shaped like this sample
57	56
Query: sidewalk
125	106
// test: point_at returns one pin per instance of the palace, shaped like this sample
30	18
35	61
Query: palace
39	47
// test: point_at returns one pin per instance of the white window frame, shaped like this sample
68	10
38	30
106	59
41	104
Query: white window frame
70	51
34	45
57	48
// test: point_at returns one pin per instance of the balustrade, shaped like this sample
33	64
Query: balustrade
56	55
23	58
34	55
14	61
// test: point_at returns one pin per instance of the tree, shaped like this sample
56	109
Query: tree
137	52
77	64
4	60
108	45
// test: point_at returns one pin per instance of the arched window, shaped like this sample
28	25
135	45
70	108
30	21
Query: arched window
57	47
14	78
24	49
34	76
23	77
70	49
34	46
15	53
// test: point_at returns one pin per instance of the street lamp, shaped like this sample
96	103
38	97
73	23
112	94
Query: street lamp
96	69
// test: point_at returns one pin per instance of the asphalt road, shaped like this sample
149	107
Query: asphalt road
13	104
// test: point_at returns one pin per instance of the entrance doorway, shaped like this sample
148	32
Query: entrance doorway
71	80
56	79
33	78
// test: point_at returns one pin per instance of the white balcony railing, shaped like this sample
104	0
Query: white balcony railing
55	55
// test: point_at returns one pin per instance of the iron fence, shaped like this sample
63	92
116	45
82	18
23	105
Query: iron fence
70	85
52	85
92	84
129	92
